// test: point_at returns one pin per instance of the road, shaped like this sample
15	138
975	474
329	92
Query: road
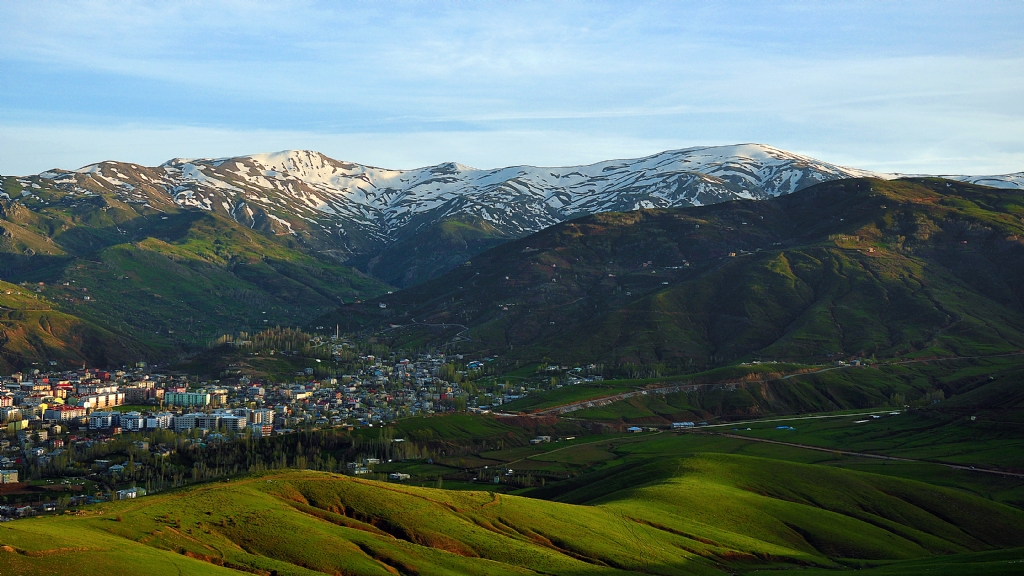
864	454
605	400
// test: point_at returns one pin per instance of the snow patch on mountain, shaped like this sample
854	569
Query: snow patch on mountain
1011	181
347	208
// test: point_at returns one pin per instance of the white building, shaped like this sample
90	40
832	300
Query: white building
100	401
103	420
133	422
233	423
161	420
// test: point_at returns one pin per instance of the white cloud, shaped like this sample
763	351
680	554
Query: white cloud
911	86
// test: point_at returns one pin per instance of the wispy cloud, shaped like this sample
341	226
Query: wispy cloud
875	82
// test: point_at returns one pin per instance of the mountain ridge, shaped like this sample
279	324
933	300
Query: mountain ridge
851	268
369	216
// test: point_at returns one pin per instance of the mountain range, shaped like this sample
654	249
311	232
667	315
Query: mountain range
406	226
174	255
854	267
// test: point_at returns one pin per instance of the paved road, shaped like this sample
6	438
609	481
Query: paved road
864	454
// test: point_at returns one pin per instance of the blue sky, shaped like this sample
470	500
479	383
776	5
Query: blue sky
933	87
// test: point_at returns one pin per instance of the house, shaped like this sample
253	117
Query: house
129	493
8	476
634	429
678	425
398	476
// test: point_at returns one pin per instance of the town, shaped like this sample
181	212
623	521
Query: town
108	434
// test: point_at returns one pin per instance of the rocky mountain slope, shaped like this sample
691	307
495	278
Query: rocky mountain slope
393	223
855	267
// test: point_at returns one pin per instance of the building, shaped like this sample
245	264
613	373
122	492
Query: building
233	423
141	393
129	493
133	422
101	400
103	420
27	434
63	413
8	413
187	398
208	421
8	476
261	416
678	425
185	422
160	420
15	425
198	420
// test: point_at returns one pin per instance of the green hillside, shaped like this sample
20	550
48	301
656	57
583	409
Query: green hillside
705	514
34	332
847	268
431	250
170	278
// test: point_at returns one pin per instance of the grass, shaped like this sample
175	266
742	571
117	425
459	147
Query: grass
999	563
700	514
909	269
34	331
564	395
450	427
135	408
987	388
174	279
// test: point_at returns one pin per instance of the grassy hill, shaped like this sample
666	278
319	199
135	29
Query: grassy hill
170	278
431	250
34	332
705	514
853	267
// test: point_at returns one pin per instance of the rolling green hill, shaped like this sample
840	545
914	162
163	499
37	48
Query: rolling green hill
856	267
706	514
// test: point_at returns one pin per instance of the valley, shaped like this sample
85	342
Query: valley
719	360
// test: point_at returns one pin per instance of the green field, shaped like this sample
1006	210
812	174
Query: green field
699	514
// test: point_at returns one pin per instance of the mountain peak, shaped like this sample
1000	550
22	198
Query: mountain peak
347	209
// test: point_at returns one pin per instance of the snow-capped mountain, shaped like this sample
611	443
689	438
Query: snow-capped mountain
1012	181
346	209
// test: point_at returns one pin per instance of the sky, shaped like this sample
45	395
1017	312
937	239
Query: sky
914	87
